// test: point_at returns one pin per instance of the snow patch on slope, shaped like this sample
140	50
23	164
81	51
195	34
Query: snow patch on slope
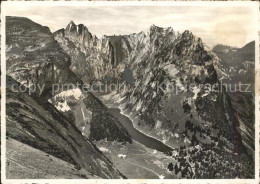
63	106
76	93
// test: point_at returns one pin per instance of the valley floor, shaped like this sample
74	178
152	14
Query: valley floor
136	161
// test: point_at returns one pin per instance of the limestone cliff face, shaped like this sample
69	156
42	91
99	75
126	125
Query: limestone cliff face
92	58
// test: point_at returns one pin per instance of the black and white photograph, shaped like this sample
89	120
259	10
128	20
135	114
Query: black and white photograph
129	90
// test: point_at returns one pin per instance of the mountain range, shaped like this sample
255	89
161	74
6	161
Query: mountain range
171	98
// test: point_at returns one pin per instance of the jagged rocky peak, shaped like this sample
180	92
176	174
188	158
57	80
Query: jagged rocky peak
78	34
155	28
152	31
160	31
71	26
78	29
90	56
191	47
190	38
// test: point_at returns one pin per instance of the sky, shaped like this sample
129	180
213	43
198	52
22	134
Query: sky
234	26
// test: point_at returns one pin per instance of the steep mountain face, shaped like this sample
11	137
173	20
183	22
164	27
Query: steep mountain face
174	64
199	113
177	96
33	57
34	121
238	65
90	116
91	58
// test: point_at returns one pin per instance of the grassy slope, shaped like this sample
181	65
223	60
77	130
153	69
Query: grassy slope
26	162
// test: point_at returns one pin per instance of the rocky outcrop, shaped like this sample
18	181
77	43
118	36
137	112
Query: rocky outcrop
33	57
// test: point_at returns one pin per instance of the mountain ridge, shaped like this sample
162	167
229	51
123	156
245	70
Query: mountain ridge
164	57
41	63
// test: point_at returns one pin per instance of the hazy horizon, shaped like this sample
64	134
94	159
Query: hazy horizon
232	26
